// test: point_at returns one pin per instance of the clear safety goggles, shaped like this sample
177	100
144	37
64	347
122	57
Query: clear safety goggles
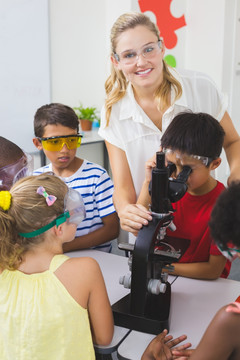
11	173
56	143
186	159
73	203
74	213
130	57
231	253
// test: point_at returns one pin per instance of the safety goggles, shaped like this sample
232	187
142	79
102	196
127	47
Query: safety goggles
74	213
186	159
73	203
130	57
56	143
231	253
11	173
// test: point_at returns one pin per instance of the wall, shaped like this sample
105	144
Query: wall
204	38
78	56
79	39
231	58
212	44
24	70
79	48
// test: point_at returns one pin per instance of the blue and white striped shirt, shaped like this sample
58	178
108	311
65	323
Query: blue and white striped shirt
96	189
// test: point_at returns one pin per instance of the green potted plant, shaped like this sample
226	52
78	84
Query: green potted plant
86	115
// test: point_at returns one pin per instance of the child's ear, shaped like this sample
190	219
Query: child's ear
215	163
37	143
58	230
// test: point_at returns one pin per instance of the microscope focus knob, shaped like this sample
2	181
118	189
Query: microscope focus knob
172	226
130	262
164	277
125	280
156	287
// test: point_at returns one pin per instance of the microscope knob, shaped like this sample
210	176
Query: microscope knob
156	287
164	277
172	226
130	262
125	280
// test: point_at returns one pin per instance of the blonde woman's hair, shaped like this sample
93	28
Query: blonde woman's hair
116	83
28	212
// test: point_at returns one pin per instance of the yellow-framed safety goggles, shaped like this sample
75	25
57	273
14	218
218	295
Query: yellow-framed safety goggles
56	143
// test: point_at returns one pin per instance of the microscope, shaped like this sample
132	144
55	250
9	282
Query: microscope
146	308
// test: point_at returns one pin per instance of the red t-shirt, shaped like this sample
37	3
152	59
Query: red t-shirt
191	219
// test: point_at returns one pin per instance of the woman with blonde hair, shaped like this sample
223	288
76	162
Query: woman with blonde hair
51	306
143	94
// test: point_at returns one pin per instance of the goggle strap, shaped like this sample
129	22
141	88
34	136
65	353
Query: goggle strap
62	218
58	221
229	253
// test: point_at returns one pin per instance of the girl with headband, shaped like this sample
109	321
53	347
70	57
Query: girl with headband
51	306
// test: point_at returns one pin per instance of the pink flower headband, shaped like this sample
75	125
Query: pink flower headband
50	199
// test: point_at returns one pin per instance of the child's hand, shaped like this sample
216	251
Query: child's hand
180	353
160	347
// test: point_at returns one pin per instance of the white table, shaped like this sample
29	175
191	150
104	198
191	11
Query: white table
193	305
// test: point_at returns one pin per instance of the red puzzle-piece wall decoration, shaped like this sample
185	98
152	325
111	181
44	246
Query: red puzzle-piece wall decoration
166	23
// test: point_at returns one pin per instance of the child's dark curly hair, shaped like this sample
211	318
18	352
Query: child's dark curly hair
225	218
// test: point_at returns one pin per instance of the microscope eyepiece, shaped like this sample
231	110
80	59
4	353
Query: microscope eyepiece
160	160
163	190
159	186
178	186
184	174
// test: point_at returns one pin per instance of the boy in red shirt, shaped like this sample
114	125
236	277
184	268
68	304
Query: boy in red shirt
196	140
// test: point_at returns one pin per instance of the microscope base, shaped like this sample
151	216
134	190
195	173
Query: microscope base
153	323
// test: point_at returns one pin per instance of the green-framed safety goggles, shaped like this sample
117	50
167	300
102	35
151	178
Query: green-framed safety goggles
58	221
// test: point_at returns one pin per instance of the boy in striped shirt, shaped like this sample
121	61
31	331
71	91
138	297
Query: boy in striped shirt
56	133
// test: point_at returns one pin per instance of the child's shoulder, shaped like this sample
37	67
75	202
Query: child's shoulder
216	189
43	169
219	188
226	317
92	165
86	264
90	168
213	194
